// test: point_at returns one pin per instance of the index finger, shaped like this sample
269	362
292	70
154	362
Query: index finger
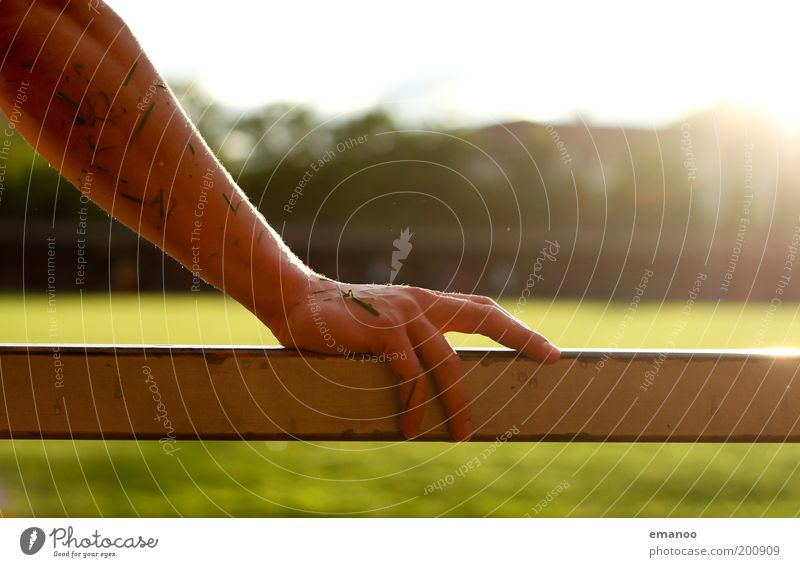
463	316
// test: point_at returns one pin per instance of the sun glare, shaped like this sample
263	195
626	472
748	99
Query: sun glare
618	62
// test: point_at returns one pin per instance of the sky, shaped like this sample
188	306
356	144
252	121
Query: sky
610	62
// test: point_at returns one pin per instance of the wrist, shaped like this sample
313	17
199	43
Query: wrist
277	286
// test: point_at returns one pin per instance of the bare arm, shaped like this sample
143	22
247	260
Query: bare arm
100	113
93	105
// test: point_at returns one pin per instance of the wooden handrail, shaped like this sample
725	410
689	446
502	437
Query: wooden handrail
175	393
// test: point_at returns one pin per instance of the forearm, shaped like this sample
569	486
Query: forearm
98	111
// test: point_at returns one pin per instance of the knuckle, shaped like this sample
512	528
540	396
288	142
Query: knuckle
494	310
407	304
484	300
422	295
487	311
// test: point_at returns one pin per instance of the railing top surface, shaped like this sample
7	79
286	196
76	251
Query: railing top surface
465	352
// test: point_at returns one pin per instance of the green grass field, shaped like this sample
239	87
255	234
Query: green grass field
297	479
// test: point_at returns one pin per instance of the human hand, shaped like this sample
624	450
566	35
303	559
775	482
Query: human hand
405	326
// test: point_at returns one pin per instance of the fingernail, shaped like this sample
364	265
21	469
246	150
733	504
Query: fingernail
410	430
466	431
552	353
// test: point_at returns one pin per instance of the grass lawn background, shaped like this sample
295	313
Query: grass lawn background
95	478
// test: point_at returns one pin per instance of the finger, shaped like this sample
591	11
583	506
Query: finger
442	360
407	367
482	299
455	314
